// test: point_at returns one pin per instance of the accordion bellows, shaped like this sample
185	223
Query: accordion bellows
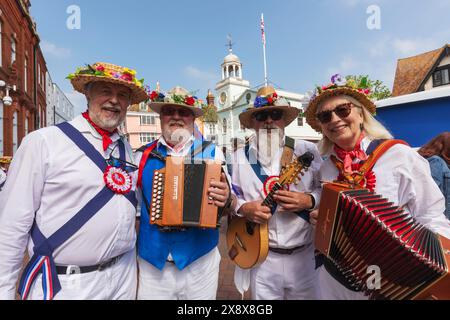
358	229
180	194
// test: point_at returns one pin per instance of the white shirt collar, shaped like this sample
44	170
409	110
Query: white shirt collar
84	126
186	147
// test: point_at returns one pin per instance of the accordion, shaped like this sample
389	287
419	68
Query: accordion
180	194
358	229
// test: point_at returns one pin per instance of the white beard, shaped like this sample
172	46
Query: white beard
269	145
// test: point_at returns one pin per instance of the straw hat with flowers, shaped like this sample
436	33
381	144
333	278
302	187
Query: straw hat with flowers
338	87
267	98
177	96
108	72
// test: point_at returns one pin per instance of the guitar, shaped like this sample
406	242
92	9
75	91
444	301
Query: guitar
248	242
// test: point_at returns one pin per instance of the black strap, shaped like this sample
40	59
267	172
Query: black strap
289	142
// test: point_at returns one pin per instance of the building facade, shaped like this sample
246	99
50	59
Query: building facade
141	125
59	107
235	95
23	71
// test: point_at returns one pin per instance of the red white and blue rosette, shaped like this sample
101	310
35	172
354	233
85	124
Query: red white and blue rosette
118	180
269	184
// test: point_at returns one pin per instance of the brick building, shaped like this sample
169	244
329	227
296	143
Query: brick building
21	65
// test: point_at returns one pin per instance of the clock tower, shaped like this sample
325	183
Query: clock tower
232	84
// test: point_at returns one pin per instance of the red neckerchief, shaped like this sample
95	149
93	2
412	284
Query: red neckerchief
347	156
106	135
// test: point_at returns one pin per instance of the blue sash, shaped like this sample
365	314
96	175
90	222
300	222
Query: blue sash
42	259
262	176
186	246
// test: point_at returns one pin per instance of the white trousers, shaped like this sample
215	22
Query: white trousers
118	282
330	289
198	281
285	277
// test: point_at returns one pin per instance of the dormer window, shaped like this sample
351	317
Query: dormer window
441	76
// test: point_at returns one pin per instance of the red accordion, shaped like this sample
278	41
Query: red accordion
357	229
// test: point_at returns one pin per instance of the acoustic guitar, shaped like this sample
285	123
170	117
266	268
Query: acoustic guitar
248	242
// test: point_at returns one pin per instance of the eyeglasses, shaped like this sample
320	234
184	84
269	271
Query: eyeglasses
182	112
342	111
274	114
119	163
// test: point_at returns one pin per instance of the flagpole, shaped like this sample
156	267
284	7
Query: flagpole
264	49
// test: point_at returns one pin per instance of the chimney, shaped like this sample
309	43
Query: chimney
210	98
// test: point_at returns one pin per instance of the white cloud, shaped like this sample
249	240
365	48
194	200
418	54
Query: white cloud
78	100
347	65
54	50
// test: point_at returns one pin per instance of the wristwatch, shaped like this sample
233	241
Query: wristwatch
313	201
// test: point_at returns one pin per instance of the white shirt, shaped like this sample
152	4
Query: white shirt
286	230
50	180
404	177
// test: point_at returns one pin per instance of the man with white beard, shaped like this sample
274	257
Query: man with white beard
177	263
288	271
70	198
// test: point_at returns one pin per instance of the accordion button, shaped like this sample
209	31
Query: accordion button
153	219
158	216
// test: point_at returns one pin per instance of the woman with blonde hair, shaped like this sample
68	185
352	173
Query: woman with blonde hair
343	112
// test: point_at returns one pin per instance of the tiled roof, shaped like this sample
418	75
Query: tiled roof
411	72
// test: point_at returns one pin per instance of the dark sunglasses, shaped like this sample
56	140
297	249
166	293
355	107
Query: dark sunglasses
262	116
342	111
182	112
118	163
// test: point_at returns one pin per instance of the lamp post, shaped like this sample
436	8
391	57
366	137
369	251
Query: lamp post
7	100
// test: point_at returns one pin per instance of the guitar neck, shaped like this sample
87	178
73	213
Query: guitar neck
268	201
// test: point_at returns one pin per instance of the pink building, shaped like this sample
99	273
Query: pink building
141	126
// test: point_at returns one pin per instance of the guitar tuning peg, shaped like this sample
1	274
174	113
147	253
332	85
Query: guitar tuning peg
302	174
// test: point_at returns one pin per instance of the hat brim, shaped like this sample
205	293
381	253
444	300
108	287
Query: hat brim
289	114
157	106
138	94
311	111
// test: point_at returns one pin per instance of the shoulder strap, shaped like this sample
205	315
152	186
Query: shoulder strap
375	155
145	154
201	148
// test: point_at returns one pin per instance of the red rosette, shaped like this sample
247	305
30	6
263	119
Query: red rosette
369	181
269	183
118	180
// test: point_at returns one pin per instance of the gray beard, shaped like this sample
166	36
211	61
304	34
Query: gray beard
269	144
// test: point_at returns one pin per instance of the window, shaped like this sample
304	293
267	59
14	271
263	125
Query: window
1	54
25	75
441	76
15	135
224	126
212	129
147	137
147	120
1	130
300	118
143	106
13	50
39	74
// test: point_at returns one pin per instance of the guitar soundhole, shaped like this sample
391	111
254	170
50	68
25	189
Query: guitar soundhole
250	228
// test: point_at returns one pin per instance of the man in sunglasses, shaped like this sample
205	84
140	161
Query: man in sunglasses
288	271
180	264
70	199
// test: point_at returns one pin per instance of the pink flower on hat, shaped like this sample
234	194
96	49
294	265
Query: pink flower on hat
100	68
127	77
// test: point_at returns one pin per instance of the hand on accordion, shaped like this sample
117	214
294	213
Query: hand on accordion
219	192
313	215
256	212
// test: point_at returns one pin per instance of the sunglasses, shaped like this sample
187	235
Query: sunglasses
262	116
182	112
342	111
118	163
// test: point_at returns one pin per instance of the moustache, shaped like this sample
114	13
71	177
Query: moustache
111	107
176	123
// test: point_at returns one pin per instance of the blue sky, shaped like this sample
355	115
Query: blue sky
183	42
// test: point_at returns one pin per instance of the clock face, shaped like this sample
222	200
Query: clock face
223	98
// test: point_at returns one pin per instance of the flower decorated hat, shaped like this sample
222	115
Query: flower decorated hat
177	96
107	72
267	98
338	87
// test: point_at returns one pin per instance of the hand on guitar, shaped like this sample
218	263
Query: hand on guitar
293	201
219	191
255	212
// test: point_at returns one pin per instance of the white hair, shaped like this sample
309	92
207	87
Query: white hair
372	128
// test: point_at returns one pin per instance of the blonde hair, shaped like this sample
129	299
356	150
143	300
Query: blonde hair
372	128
